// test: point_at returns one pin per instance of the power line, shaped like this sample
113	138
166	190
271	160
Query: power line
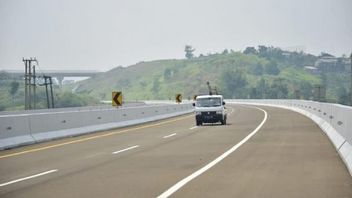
31	78
30	83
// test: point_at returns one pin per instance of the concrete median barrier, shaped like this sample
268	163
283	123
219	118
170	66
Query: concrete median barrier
15	130
28	128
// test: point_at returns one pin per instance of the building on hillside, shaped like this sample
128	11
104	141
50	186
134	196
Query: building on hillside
311	69
329	63
347	62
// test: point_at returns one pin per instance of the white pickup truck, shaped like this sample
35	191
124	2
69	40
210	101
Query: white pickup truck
210	109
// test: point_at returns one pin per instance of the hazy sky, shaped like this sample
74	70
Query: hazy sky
102	34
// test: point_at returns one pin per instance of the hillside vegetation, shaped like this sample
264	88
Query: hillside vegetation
12	95
264	73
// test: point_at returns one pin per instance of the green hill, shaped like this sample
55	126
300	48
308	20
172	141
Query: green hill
266	72
235	74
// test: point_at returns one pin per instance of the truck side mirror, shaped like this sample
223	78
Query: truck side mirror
223	102
194	104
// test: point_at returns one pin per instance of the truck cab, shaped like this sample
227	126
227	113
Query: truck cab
210	109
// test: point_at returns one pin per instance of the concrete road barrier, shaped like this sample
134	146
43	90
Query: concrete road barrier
15	130
31	127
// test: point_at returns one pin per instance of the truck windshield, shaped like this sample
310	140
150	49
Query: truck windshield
208	102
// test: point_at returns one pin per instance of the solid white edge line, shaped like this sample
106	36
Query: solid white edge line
126	149
30	177
170	135
184	181
193	127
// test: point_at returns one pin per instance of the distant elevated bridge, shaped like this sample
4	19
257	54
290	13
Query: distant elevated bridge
58	74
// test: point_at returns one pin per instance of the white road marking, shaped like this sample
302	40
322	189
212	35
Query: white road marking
193	127
184	181
126	149
170	135
26	178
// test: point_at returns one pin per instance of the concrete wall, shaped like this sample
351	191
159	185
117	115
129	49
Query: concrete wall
31	127
334	119
85	108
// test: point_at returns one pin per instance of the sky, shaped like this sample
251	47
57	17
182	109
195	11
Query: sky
103	34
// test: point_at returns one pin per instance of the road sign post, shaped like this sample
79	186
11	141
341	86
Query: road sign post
178	98
194	97
116	98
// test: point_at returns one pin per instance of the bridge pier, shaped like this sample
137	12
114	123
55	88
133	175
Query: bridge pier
60	79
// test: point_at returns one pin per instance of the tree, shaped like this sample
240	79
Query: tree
189	51
233	83
68	99
278	89
261	88
324	79
253	94
271	68
262	50
258	69
167	73
342	95
156	86
300	59
14	88
225	52
306	89
4	76
250	50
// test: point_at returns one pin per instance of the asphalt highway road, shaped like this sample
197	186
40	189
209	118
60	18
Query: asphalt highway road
261	152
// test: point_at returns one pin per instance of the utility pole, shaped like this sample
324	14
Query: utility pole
51	91
34	88
46	91
48	81
30	83
25	85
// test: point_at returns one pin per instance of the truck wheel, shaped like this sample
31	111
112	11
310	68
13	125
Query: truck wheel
199	123
223	122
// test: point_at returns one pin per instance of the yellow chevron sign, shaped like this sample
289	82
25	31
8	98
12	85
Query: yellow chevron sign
116	98
194	97
178	98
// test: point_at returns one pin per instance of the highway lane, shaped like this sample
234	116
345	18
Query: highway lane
289	157
284	159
